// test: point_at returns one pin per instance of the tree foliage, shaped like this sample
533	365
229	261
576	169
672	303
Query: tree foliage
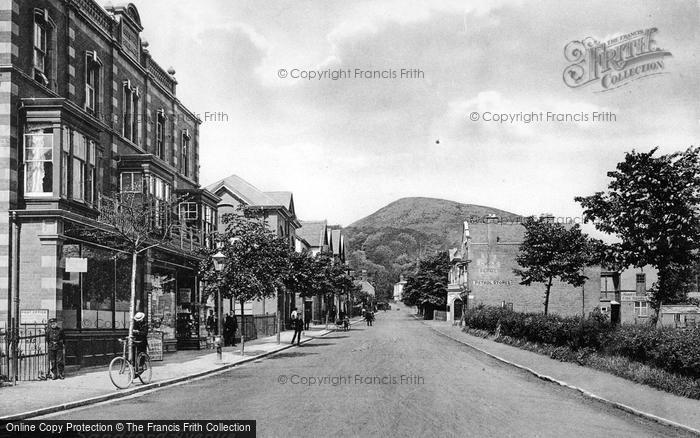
256	261
552	251
428	284
651	205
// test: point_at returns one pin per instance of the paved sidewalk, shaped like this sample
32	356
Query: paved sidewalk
29	399
642	398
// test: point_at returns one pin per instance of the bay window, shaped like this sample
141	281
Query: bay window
79	164
131	182
38	163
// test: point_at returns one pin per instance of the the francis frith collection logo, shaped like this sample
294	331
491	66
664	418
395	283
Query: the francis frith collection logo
616	62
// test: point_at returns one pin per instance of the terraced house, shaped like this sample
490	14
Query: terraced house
86	111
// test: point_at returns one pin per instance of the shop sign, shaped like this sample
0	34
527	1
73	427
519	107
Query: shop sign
627	296
76	264
155	345
33	316
185	295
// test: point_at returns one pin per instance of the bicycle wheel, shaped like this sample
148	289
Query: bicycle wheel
121	373
145	370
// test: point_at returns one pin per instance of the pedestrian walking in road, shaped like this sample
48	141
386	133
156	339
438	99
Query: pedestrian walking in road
56	339
298	326
368	318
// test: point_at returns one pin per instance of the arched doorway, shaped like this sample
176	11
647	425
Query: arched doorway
457	306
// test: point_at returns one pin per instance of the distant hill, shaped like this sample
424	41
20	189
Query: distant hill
387	242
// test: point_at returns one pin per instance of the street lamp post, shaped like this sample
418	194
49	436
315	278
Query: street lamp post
219	259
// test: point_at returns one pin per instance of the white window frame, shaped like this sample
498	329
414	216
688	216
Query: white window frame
641	308
27	161
189	211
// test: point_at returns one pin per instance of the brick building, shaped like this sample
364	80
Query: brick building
492	247
86	111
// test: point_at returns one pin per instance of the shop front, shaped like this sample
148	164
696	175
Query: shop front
174	304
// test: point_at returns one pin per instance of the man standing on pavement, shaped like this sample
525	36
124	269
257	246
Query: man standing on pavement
230	327
56	339
298	326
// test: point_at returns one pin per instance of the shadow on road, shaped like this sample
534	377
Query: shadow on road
318	344
290	354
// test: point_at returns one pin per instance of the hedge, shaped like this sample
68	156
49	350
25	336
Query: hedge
673	350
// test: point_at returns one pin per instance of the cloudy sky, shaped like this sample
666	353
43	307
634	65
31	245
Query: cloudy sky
348	147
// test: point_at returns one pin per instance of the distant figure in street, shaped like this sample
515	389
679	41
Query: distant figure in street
298	326
307	318
369	317
230	327
295	312
211	328
56	339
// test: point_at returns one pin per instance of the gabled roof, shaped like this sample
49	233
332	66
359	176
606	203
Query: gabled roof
337	242
242	189
314	232
283	199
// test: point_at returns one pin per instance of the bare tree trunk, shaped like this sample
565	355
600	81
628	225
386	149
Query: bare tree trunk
242	329
132	305
546	296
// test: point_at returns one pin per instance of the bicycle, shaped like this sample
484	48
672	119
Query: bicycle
122	372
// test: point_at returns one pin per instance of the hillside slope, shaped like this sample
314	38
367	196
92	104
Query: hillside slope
387	242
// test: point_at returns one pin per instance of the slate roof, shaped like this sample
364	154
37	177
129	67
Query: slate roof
250	194
313	232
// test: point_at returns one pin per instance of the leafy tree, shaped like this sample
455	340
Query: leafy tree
256	263
552	251
330	279
427	287
134	223
651	205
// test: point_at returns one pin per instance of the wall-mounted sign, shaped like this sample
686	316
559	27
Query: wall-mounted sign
76	264
185	295
33	316
628	296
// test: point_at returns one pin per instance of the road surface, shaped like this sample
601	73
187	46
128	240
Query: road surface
395	379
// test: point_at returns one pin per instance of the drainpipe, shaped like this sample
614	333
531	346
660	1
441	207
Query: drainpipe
14	293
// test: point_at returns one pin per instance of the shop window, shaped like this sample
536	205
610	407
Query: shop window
161	301
43	37
100	297
71	290
38	163
93	83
